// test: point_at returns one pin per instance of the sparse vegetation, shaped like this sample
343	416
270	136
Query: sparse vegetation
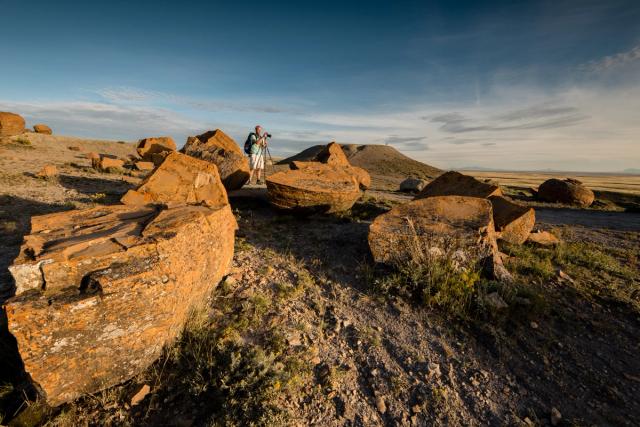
597	270
22	141
441	273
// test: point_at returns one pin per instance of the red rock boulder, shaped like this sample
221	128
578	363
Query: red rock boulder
180	179
44	129
220	149
415	230
568	191
316	189
513	222
11	124
101	291
456	184
147	147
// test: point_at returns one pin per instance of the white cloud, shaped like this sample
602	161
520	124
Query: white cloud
613	61
585	129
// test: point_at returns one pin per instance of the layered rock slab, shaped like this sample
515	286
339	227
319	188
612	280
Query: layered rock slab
568	191
11	124
180	179
512	221
220	149
315	189
101	291
456	184
409	231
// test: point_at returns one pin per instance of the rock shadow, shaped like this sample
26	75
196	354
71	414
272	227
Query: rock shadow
89	185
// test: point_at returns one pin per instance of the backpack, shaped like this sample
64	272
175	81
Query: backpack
248	143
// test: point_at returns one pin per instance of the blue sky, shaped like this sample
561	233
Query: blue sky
498	84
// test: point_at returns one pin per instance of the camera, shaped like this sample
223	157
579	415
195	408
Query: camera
268	135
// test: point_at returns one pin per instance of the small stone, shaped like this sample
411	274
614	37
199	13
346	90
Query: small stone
533	325
48	172
433	370
564	276
140	395
382	408
556	416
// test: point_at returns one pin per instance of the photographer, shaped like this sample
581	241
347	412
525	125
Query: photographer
258	144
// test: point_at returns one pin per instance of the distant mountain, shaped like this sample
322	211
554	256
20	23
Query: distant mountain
632	171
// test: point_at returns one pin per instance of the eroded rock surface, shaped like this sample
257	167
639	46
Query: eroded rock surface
409	231
147	147
512	221
568	191
100	291
180	179
456	184
315	189
11	124
220	149
361	175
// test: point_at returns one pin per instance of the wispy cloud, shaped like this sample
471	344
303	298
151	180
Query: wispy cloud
613	61
125	95
108	121
534	117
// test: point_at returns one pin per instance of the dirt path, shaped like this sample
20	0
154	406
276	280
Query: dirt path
620	221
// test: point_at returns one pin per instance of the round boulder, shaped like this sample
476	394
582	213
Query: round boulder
412	185
11	124
40	128
568	191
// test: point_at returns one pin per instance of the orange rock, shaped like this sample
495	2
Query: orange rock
144	166
106	163
11	124
101	291
413	230
456	184
221	150
182	179
568	191
543	238
361	175
40	128
332	154
314	189
148	146
512	221
48	171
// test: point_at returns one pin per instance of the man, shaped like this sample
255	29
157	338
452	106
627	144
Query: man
256	157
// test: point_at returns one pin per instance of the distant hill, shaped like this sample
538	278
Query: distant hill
386	165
